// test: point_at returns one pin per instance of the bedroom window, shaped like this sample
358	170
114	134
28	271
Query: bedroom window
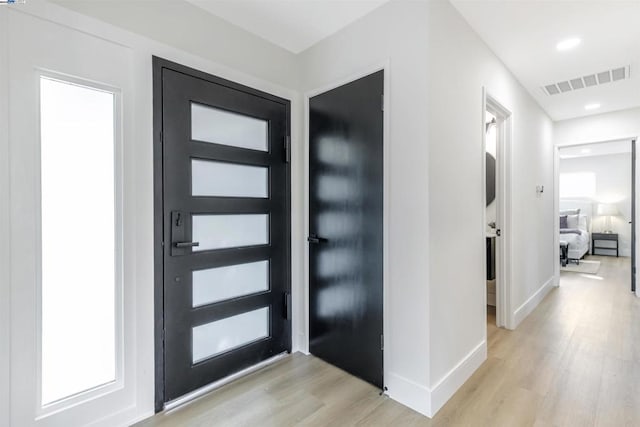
577	185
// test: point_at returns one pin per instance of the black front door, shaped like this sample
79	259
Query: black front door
345	226
222	209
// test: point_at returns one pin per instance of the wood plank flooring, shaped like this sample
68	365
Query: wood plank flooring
575	361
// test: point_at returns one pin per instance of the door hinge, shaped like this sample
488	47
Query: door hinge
287	149
382	342
382	102
287	305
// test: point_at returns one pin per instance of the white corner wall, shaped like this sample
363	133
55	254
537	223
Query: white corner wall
460	65
392	35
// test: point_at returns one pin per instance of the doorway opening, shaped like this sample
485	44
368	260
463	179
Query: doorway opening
596	210
496	137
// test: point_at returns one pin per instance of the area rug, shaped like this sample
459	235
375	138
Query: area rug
587	267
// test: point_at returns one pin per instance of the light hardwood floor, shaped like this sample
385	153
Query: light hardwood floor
575	361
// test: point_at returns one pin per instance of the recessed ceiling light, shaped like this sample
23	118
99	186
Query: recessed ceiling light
568	43
593	106
585	150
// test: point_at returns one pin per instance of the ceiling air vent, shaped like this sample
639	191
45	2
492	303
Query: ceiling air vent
596	79
590	80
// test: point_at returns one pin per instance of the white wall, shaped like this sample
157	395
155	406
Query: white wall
459	65
437	68
182	25
600	127
613	185
393	34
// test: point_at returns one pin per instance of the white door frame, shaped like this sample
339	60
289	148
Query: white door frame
384	66
556	199
504	136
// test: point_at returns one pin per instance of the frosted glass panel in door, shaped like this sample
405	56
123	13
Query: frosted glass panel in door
230	231
220	179
222	283
209	124
223	335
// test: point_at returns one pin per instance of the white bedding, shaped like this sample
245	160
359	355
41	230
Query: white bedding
578	244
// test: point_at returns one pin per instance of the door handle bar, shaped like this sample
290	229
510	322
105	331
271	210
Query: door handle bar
186	244
315	239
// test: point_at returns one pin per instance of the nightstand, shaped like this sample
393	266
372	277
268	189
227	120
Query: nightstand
604	237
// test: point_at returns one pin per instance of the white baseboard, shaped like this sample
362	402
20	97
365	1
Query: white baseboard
139	418
530	304
453	380
301	345
428	401
409	393
126	417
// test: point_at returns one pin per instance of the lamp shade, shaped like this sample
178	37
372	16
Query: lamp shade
607	209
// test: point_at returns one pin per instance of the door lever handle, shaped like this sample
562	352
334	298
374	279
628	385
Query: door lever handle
315	239
186	244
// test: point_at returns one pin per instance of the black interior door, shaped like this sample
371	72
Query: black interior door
346	229
224	226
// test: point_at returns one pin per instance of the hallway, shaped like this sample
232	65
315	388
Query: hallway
575	361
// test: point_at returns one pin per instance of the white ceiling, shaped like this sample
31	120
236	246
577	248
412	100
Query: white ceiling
524	34
294	25
598	149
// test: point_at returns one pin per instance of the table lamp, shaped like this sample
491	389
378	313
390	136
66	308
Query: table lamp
607	210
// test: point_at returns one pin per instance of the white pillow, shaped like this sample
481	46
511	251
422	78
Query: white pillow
573	221
582	222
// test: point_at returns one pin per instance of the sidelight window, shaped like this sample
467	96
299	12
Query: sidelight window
79	280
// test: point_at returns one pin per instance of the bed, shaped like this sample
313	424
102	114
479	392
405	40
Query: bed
574	230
